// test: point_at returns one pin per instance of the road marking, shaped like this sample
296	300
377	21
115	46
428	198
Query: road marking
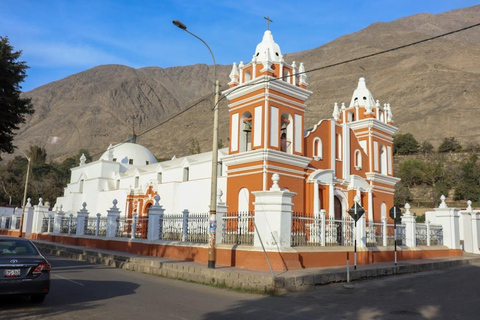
80	284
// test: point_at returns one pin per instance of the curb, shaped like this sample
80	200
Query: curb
240	279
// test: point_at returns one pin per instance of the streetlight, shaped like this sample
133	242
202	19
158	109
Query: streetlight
24	195
213	193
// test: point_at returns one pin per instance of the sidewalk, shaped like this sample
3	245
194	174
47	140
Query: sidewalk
262	281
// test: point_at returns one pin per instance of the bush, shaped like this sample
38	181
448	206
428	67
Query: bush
450	145
405	144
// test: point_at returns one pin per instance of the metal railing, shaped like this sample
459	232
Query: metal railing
171	227
68	225
238	228
47	224
197	227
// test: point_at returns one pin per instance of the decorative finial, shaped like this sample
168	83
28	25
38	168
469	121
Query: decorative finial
219	195
157	199
469	206
336	112
110	153
275	179
443	204
268	22
83	159
40	201
407	209
114	203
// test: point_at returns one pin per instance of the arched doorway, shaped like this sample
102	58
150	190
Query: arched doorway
338	218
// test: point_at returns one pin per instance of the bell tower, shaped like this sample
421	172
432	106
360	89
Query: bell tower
266	108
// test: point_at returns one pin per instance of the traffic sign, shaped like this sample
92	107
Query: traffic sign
395	213
356	211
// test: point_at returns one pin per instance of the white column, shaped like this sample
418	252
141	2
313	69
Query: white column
476	231
331	201
58	220
361	232
409	220
370	205
112	216
81	216
273	216
155	217
316	204
40	211
449	218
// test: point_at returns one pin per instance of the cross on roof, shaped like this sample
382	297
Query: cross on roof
268	22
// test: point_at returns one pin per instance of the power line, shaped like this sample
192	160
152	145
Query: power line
309	71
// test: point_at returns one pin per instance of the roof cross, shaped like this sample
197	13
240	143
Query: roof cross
268	22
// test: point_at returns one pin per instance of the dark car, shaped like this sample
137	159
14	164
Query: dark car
23	270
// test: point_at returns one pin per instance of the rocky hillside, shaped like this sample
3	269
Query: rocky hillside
433	88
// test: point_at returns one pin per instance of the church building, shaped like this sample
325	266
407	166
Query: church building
326	166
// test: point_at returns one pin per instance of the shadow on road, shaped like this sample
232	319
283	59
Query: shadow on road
69	291
446	294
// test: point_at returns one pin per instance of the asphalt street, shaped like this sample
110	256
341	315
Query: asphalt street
86	291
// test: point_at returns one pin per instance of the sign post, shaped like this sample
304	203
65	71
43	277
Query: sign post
356	212
395	213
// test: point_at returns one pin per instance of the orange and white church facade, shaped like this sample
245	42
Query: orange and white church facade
327	165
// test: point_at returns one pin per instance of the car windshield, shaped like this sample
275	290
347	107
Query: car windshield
12	247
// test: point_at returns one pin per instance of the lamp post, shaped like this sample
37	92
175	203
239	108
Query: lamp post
24	196
213	191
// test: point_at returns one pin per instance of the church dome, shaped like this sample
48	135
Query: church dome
129	153
268	49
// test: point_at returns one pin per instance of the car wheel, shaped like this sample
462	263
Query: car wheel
37	298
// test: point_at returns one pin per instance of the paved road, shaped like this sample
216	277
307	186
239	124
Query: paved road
85	291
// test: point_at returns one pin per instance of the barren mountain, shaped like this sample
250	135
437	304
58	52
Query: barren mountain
433	88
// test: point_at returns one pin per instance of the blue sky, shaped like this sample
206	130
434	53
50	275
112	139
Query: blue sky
60	37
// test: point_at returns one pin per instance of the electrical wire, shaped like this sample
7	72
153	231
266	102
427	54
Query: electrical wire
305	72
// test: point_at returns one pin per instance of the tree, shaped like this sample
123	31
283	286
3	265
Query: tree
194	147
468	187
404	144
449	144
38	155
426	147
13	108
411	172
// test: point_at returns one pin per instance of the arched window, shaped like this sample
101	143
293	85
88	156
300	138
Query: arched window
186	174
351	116
383	210
117	184
159	177
248	75
287	76
137	181
286	133
358	159
81	186
317	149
383	160
246	132
338	149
